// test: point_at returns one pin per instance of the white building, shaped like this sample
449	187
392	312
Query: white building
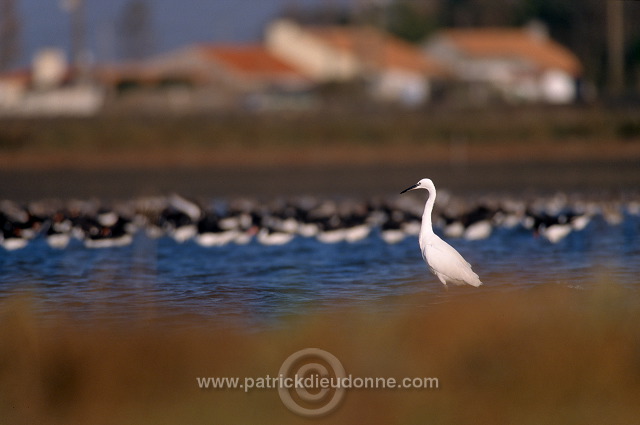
46	90
395	70
210	76
513	64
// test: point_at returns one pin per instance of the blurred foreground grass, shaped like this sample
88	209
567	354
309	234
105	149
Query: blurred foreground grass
545	355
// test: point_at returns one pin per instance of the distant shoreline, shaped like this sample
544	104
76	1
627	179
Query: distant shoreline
602	177
127	139
453	154
332	153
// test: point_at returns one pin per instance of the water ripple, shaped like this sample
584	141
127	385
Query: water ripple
270	281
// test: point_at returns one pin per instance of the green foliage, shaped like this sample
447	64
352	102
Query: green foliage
559	13
409	21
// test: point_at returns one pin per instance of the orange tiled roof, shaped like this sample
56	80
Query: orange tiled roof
249	59
20	76
497	42
378	48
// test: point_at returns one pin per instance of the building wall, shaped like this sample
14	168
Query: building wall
558	87
11	91
511	78
407	88
314	58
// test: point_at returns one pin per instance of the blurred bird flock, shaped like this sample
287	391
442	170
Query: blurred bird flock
218	223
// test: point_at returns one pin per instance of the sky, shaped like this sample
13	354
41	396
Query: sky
175	22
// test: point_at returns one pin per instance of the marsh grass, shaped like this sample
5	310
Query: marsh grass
546	355
132	131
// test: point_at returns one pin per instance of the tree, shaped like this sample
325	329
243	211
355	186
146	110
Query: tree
478	13
411	20
325	13
9	34
136	29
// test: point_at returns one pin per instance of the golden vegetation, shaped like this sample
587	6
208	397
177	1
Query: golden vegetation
544	355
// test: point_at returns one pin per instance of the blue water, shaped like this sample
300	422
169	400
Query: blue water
159	277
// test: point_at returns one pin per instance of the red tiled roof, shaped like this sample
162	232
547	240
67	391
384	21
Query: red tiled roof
249	59
510	42
20	76
378	48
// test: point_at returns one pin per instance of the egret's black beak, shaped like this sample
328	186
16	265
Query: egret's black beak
409	188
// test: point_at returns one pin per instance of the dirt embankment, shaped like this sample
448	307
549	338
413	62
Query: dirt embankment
374	152
329	137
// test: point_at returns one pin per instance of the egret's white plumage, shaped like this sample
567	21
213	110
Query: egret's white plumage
443	260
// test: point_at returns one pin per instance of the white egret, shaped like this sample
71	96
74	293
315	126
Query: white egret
443	260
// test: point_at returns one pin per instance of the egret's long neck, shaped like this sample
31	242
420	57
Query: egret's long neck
426	215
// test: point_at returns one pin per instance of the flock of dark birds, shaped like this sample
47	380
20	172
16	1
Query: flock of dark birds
241	221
